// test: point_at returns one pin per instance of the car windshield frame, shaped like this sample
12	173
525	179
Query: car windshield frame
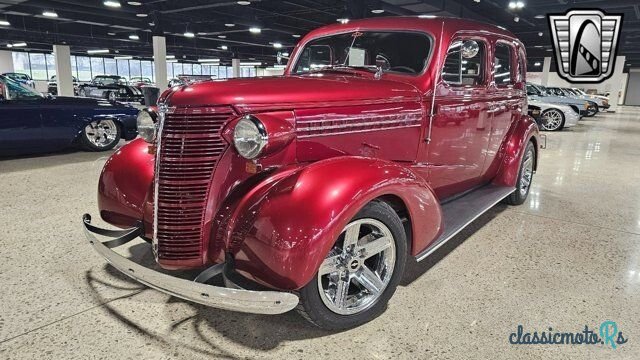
370	68
114	80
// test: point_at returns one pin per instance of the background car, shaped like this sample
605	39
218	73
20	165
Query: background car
52	87
540	93
21	78
33	123
601	101
112	88
553	117
592	106
139	81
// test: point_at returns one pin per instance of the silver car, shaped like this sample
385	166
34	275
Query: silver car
540	93
602	101
553	117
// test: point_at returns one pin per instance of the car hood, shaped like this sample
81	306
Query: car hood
288	92
89	102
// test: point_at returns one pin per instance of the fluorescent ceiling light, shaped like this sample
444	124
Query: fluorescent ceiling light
134	3
142	15
111	33
208	60
123	58
244	3
536	64
296	35
277	45
9	45
255	30
516	5
100	51
171	56
49	14
4	23
112	3
377	11
285	54
250	63
229	25
539	16
20	44
189	34
222	36
224	47
134	37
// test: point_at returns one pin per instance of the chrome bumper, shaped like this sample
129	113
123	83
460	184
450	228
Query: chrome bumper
255	302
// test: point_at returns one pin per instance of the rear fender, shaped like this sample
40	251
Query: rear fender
281	230
522	132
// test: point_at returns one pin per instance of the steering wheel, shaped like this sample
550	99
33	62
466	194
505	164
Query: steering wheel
404	69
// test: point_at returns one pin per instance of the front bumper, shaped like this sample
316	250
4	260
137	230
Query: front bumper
256	302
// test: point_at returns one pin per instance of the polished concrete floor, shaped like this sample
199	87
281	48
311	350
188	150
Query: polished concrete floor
569	257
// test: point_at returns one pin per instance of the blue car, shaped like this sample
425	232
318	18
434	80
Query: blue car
32	123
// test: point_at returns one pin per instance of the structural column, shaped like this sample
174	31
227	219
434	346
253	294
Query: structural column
6	62
160	61
546	67
235	64
64	77
616	82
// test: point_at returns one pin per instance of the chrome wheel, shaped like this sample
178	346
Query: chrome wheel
552	120
358	268
101	133
526	174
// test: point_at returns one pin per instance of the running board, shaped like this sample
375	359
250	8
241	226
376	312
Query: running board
459	213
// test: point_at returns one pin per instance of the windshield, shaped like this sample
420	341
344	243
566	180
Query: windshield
12	90
109	80
532	90
392	51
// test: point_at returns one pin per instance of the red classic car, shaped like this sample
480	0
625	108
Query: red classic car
383	139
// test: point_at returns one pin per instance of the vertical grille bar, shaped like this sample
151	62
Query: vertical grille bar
188	151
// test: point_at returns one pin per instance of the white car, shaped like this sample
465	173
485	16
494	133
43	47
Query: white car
602	101
553	117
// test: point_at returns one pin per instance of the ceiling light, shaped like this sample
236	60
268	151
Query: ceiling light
516	19
540	33
123	58
255	30
189	34
244	3
208	60
250	63
152	24
549	49
296	35
111	33
229	25
112	3
48	13
171	56
222	36
277	45
142	15
9	45
285	54
377	11
536	64
539	16
516	4
100	51
4	23
20	44
224	47
476	1
134	3
202	33
134	37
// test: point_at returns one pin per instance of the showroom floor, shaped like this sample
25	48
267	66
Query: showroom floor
569	257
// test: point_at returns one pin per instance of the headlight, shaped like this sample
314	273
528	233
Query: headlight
249	137
147	125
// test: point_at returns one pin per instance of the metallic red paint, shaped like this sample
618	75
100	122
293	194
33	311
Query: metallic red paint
337	141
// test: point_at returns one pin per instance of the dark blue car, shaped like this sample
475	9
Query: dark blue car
32	123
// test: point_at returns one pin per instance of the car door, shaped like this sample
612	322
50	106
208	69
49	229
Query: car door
506	100
20	122
462	121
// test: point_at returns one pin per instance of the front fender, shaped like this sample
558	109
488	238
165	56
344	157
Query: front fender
281	231
523	131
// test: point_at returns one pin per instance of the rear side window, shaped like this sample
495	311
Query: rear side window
464	65
502	65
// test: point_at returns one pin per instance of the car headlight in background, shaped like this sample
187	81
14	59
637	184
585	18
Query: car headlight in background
147	127
249	137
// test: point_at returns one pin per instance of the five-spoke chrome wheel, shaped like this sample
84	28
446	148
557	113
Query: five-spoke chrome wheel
552	120
358	268
101	133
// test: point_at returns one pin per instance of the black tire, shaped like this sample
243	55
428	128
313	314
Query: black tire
592	111
518	197
90	145
544	125
313	308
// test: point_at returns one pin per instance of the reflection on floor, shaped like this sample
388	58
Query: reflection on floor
569	257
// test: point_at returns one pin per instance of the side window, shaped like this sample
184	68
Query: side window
464	65
502	65
522	70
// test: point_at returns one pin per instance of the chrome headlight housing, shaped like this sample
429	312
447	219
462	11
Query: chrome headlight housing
250	137
147	125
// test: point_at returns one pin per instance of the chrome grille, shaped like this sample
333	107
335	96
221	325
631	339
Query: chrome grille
190	146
